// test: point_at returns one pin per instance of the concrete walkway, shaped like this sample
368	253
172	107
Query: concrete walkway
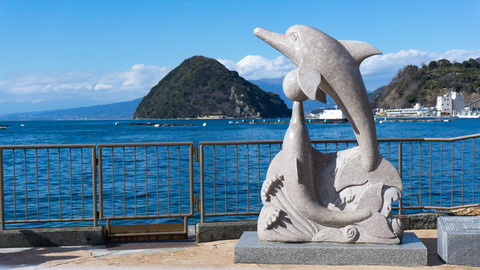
210	255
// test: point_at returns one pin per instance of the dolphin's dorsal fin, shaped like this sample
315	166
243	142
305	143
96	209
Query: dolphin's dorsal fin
359	50
309	81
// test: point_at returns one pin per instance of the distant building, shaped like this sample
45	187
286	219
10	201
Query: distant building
451	103
417	111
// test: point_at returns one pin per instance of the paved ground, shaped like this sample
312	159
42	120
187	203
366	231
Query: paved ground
211	255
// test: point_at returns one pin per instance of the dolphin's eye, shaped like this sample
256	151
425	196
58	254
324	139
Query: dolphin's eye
294	36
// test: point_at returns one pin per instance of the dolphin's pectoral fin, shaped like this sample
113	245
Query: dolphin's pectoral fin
309	80
321	96
359	50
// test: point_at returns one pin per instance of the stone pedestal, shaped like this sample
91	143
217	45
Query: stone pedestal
459	240
410	252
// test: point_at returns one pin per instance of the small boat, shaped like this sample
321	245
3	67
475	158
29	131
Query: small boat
204	124
468	116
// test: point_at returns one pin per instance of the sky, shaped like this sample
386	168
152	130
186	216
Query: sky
65	54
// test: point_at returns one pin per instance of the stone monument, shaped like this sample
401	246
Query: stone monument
346	196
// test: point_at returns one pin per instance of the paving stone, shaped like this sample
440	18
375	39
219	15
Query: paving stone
458	240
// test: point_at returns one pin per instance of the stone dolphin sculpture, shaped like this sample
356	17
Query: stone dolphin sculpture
328	66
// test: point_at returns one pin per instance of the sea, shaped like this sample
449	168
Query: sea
121	131
198	130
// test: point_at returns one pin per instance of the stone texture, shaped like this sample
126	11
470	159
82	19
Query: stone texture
214	231
422	221
337	197
48	237
410	252
458	240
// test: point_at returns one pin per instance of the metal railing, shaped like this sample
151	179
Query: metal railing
145	180
47	183
437	173
230	182
58	183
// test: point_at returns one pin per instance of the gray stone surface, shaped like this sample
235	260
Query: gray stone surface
336	197
410	252
69	236
458	240
214	231
423	221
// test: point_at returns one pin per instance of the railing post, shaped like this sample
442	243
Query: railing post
94	186
100	182
400	169
2	202
192	152
202	192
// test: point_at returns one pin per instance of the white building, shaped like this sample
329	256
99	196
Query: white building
417	111
451	103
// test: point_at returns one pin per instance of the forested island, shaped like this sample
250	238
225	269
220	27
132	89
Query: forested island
202	86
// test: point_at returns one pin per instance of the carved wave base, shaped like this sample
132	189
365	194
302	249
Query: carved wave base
341	189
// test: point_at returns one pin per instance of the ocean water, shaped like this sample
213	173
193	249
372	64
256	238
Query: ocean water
80	132
446	184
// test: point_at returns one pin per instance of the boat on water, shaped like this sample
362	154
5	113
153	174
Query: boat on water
330	116
468	116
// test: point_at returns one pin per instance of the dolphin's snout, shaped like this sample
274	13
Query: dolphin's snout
257	31
263	34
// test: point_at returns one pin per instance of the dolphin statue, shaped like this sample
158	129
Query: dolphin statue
302	183
327	66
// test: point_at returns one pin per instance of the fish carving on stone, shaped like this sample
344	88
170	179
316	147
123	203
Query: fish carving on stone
344	196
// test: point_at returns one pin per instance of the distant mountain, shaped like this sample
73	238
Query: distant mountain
202	86
120	110
276	86
422	85
373	95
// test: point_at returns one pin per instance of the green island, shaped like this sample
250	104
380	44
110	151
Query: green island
203	87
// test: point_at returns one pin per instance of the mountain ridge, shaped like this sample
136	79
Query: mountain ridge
112	111
414	84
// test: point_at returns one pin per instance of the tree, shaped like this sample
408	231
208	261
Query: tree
444	63
432	65
466	64
473	63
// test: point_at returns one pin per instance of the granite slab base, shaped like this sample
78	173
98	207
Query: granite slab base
410	252
458	240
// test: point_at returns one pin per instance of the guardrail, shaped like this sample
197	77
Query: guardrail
145	181
47	183
58	183
437	173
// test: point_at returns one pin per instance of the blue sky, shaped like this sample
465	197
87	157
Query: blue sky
61	54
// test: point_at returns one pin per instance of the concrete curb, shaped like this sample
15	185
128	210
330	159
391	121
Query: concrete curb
48	237
214	231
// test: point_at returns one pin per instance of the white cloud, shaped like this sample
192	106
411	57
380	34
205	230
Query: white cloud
377	70
135	82
140	76
93	85
101	86
380	69
254	67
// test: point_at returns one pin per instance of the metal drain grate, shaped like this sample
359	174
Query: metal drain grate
150	245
